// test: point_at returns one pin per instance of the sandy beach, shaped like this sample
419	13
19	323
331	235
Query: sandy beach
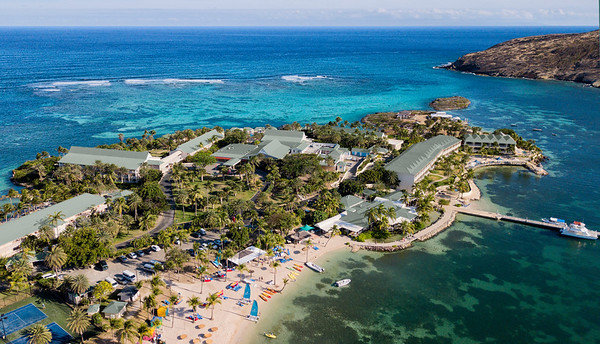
230	319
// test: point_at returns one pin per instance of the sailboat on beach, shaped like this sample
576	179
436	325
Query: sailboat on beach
254	312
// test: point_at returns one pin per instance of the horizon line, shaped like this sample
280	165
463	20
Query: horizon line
292	26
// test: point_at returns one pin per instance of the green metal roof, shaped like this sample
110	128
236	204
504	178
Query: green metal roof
196	144
361	150
234	151
350	201
415	158
357	215
93	309
491	138
301	146
88	156
114	307
272	148
290	138
29	224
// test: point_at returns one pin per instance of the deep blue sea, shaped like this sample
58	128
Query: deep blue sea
480	281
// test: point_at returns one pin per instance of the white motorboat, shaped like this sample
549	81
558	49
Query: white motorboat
314	267
342	283
578	230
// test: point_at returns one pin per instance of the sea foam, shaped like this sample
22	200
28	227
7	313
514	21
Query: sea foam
93	83
301	79
172	81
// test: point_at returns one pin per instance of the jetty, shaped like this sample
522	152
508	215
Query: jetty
508	218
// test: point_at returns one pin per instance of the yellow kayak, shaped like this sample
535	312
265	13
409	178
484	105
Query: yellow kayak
270	335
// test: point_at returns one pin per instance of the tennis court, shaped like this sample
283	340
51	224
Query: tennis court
22	317
59	335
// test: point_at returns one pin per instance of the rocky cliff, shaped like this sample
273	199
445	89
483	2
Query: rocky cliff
568	57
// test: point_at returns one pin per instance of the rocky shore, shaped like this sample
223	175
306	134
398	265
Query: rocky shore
567	57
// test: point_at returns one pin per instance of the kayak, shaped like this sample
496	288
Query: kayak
263	298
270	335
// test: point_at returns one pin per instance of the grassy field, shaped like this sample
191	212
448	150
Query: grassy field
56	310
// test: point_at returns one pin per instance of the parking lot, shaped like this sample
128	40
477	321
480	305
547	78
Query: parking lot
116	267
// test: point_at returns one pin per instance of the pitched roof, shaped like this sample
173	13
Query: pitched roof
128	291
301	146
490	138
29	224
114	307
88	156
272	148
350	201
419	155
288	137
234	150
196	144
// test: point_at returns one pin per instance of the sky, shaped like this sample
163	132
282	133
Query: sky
298	13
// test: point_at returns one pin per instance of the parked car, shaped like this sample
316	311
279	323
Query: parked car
123	259
112	282
155	248
154	262
140	253
202	232
103	265
177	241
48	275
195	235
122	280
132	255
192	252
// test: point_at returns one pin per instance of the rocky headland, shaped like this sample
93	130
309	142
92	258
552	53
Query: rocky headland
450	103
567	57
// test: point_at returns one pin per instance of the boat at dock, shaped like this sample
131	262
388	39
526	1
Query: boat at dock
554	220
578	230
342	283
537	129
315	267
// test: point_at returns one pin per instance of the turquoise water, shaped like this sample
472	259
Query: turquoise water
84	86
480	281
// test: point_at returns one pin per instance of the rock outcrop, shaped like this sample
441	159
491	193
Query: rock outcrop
567	57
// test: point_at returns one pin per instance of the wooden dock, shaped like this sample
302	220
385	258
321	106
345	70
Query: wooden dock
500	217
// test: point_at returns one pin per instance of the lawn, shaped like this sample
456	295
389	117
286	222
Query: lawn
55	309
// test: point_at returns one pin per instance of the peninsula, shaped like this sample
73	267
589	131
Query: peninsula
567	57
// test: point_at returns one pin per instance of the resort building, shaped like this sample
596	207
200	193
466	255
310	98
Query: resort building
503	143
412	165
289	138
115	310
199	143
405	115
129	160
232	154
444	115
13	231
353	219
396	144
129	294
247	255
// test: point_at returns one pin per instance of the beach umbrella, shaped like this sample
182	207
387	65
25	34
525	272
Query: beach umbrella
208	341
200	326
213	329
207	335
183	336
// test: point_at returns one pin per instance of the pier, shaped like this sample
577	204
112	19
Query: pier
500	217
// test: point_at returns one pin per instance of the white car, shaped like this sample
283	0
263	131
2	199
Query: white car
132	255
155	248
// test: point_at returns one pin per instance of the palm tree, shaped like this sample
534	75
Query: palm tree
285	282
196	195
156	282
56	259
78	283
128	332
211	301
120	205
242	268
307	243
334	231
202	269
147	221
143	330
78	322
135	201
55	217
275	264
149	303
39	334
194	302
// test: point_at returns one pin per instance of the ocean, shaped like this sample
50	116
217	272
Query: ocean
479	281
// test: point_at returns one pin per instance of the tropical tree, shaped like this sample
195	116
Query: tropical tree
275	264
120	205
78	283
78	322
285	282
194	302
56	259
128	332
135	201
211	301
55	217
102	290
147	221
143	330
202	269
39	334
335	230
307	245
196	195
149	303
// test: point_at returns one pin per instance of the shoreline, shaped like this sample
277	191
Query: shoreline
231	319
